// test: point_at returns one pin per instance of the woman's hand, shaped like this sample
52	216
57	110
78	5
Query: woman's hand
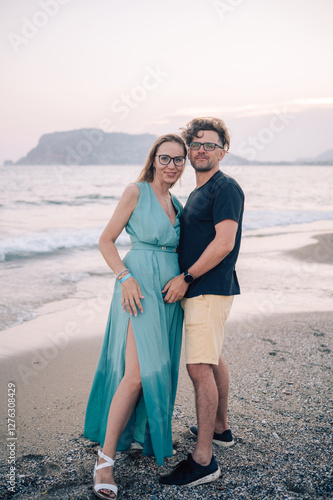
131	295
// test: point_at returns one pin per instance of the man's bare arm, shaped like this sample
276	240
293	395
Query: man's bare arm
217	250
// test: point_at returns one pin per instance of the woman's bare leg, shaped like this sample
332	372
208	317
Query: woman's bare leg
121	409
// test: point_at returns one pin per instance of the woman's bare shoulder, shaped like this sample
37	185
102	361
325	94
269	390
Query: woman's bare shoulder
132	188
131	195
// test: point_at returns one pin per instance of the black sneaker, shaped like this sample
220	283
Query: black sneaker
224	439
190	473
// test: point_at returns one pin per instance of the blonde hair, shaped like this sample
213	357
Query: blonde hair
148	172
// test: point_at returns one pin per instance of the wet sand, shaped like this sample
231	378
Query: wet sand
321	251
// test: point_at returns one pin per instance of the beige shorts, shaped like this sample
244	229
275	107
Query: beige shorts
204	319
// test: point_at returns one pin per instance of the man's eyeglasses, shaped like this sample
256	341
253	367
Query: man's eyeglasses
177	160
208	146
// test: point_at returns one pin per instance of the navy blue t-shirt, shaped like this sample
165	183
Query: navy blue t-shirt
219	199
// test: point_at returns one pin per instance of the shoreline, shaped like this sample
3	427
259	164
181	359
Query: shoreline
321	251
304	248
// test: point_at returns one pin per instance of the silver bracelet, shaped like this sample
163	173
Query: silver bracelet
121	272
125	278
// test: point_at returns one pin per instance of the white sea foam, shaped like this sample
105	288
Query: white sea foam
51	241
260	219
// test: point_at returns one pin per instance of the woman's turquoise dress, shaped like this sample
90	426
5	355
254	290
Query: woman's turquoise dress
153	261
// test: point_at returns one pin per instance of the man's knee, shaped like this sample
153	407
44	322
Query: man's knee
199	372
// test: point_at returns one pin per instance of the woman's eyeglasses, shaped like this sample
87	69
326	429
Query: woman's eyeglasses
177	160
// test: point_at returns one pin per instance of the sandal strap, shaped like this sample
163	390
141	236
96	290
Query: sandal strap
106	486
110	461
101	466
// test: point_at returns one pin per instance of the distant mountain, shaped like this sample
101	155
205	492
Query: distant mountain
89	147
283	135
231	159
95	147
326	157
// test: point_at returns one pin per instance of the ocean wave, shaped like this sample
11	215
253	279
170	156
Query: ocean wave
76	201
15	315
53	241
50	242
258	219
96	197
26	202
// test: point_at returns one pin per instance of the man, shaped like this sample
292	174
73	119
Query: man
211	226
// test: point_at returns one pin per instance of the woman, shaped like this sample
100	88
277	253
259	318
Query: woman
135	384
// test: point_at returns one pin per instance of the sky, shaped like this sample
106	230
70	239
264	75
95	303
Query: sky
263	66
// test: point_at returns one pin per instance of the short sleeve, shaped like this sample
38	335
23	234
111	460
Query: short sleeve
227	203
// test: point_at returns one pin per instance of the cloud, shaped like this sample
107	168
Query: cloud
254	109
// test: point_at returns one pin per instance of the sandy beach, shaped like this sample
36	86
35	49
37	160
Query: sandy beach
279	354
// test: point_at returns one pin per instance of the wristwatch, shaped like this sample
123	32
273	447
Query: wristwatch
189	278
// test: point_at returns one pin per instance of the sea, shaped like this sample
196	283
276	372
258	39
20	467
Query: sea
51	218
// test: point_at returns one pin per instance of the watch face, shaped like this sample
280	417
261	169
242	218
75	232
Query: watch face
188	278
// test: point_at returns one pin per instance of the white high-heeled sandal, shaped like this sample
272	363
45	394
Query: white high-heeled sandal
104	486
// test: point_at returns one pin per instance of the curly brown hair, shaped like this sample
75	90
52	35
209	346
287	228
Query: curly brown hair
148	171
206	123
